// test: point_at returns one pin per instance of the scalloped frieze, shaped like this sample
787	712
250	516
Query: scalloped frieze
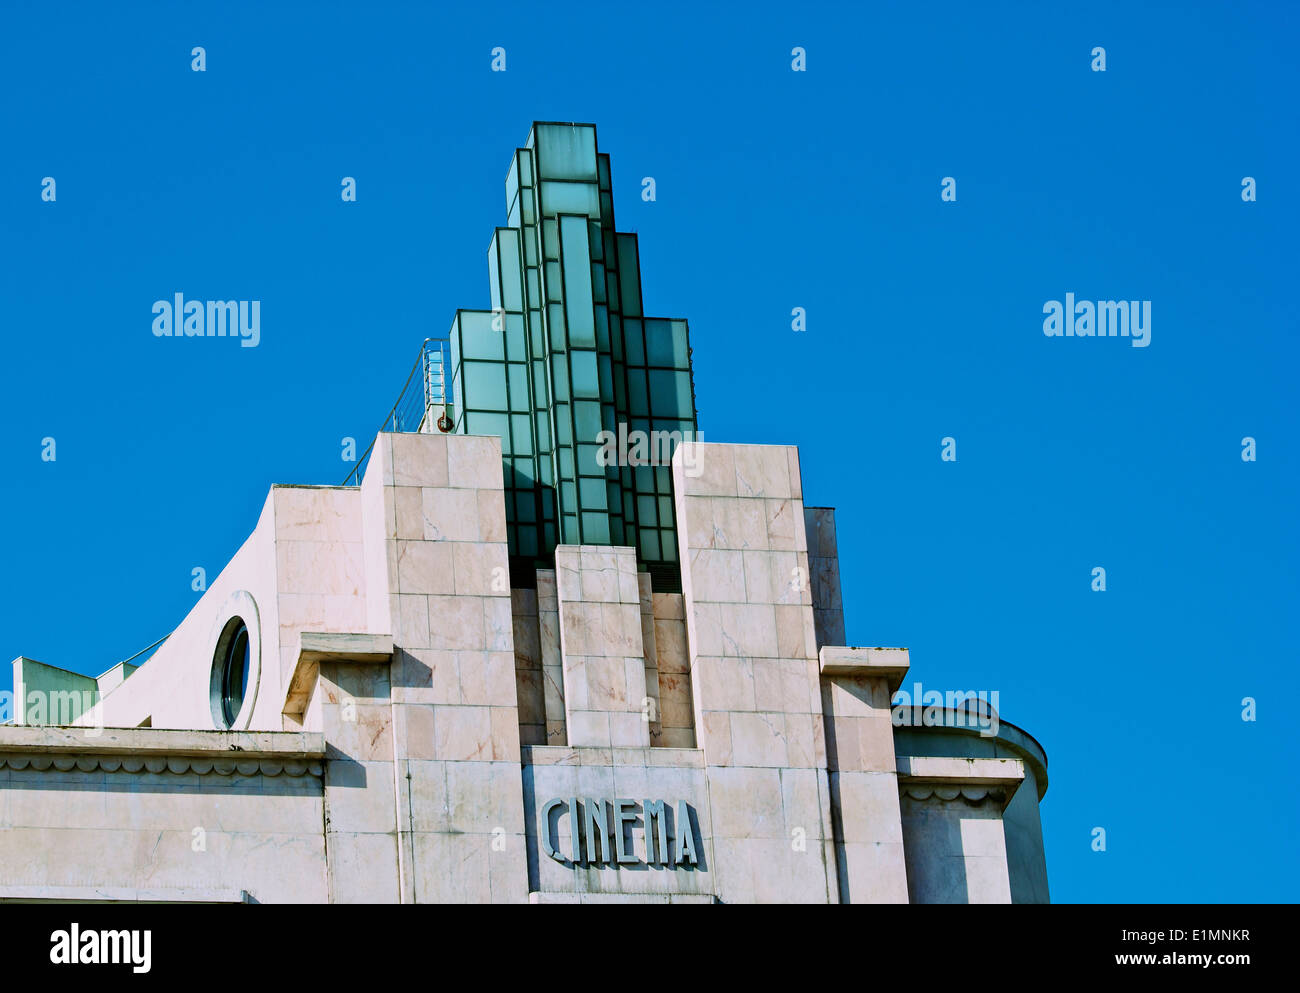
947	794
176	764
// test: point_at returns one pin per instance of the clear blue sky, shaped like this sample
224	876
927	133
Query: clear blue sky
775	190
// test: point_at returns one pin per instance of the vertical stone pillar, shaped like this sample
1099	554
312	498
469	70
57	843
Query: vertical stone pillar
528	667
952	810
455	718
857	687
824	575
754	670
600	641
655	713
548	625
360	812
676	706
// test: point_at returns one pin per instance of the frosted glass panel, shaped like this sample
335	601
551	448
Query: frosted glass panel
522	440
592	494
665	343
595	529
566	151
629	279
527	541
588	461
570	198
512	181
669	546
518	380
560	377
650	544
511	273
645	510
670	392
485	386
586	420
478	340
586	383
514	335
494	274
577	281
681	345
493	424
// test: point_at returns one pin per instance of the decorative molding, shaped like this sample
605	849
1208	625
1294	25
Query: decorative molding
951	778
315	647
161	750
975	795
121	894
889	664
1009	737
175	764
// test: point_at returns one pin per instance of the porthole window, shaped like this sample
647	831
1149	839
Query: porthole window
234	670
232	689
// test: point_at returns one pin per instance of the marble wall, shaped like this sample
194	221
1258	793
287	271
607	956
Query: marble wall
455	726
669	775
159	815
439	755
754	671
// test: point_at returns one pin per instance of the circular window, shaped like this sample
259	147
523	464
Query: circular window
232	689
234	670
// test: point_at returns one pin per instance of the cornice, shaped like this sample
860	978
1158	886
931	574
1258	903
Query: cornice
175	764
969	794
159	750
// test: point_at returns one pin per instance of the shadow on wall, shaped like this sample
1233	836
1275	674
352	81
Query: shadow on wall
933	854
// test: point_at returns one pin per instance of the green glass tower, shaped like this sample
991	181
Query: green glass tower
566	353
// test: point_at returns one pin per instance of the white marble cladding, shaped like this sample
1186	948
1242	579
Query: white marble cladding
952	818
528	667
956	849
432	766
539	673
548	631
824	575
144	831
673	665
319	572
649	657
449	744
754	670
604	657
863	782
671	775
145	813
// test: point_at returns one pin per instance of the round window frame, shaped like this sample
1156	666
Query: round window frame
239	611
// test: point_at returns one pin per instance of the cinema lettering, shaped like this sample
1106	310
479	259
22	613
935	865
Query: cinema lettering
605	832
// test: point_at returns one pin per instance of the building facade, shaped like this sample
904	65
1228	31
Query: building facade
547	645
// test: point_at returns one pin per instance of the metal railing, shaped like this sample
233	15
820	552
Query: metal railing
132	658
425	394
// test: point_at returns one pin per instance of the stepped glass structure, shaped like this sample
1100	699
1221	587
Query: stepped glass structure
544	645
566	353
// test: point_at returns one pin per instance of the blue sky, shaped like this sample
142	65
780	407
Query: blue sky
775	190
